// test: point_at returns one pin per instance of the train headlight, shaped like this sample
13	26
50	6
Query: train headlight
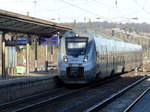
65	59
85	59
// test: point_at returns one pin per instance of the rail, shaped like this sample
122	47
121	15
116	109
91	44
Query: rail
107	101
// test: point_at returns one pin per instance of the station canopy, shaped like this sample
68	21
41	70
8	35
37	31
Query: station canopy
13	22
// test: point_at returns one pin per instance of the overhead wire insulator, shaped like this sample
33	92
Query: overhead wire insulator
35	3
116	3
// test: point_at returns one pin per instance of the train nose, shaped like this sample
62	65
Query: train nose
75	72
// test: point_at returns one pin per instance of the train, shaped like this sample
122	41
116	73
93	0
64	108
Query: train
85	56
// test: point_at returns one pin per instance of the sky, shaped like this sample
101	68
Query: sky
137	11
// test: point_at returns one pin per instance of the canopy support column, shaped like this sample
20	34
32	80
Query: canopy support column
3	55
27	57
35	62
46	58
51	55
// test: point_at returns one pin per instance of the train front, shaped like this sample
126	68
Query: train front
77	58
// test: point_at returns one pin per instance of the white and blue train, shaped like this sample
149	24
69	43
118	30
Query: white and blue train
84	57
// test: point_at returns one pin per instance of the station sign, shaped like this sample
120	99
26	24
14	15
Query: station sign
53	40
21	40
10	43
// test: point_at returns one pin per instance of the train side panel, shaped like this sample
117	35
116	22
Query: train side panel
111	59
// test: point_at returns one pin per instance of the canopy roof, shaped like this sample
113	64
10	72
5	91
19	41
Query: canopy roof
14	22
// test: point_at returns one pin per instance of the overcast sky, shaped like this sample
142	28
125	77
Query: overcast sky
82	10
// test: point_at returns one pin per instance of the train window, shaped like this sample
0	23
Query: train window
76	46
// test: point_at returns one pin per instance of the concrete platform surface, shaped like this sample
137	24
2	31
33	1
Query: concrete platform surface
12	88
51	73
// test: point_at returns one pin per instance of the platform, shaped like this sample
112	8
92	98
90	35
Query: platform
143	104
12	88
50	73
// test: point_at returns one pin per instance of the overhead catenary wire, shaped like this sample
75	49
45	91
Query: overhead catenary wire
142	8
95	14
101	17
85	10
56	9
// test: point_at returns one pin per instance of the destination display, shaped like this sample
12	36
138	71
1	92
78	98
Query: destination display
78	39
53	40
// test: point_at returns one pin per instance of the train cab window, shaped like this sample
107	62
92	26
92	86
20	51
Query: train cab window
76	46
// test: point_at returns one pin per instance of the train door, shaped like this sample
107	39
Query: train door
123	63
114	63
114	60
109	62
102	65
120	63
105	63
98	58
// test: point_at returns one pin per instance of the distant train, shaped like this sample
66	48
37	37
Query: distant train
85	57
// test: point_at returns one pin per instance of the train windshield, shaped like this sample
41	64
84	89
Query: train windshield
76	46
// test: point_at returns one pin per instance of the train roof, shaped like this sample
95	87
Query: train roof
80	33
116	44
100	40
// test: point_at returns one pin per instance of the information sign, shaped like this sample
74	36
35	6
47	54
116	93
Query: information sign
54	40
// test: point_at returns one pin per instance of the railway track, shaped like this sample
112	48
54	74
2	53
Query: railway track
136	100
50	98
98	106
31	102
30	99
83	99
